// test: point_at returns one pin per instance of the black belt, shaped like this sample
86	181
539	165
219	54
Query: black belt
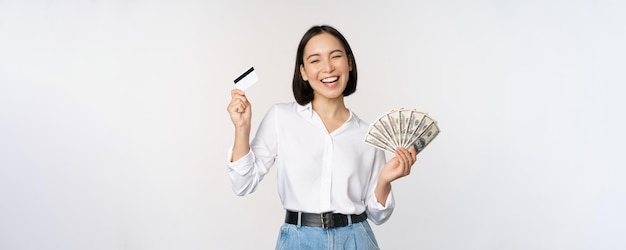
326	220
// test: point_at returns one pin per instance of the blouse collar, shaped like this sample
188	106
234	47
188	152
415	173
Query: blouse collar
307	111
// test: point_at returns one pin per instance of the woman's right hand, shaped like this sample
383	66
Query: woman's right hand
240	110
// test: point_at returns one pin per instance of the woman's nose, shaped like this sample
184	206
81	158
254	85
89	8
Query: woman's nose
328	66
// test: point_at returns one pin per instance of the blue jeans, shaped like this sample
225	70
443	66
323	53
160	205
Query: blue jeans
358	236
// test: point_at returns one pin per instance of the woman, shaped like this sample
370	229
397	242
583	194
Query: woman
329	181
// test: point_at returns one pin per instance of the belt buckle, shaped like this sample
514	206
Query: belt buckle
327	220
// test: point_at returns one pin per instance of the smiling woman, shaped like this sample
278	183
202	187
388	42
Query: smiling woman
328	49
332	184
326	67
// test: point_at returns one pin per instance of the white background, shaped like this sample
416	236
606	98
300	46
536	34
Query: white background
114	130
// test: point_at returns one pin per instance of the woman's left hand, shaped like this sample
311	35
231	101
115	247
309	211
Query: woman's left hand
399	166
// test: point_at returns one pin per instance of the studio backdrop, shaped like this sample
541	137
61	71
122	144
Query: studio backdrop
114	131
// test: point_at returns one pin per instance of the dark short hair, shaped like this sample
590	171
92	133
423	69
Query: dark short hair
302	91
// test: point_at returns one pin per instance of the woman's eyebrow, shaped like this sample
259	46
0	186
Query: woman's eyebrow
312	55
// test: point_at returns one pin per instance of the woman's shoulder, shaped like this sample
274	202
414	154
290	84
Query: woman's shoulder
362	123
285	108
285	105
288	107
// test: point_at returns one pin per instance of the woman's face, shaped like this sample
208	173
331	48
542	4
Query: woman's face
326	66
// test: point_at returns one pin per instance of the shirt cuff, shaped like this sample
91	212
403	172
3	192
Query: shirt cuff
241	166
391	202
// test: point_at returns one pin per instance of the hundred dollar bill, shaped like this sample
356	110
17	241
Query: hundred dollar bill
382	132
378	134
412	126
394	118
426	121
374	141
383	129
423	125
422	141
386	124
405	117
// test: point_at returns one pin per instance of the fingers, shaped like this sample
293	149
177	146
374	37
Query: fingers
239	95
237	107
405	155
239	102
406	159
413	151
235	92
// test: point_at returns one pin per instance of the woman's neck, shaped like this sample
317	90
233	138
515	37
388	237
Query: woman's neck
329	108
332	112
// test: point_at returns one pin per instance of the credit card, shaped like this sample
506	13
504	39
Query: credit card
246	79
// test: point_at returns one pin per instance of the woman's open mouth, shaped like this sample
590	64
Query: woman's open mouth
329	81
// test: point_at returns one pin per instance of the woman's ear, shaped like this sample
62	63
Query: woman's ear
303	73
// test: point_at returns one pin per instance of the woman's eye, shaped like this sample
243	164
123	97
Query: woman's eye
315	61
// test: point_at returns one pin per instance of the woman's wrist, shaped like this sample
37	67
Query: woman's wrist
383	188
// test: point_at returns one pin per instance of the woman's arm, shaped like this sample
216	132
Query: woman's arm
240	112
398	167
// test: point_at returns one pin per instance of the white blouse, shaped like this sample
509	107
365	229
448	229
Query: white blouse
317	171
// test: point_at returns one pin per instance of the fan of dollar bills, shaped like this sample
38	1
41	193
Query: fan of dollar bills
402	128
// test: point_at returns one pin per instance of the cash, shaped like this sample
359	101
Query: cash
402	128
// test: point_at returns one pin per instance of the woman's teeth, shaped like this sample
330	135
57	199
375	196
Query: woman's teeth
330	79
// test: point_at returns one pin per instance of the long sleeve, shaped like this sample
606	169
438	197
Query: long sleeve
378	213
246	173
